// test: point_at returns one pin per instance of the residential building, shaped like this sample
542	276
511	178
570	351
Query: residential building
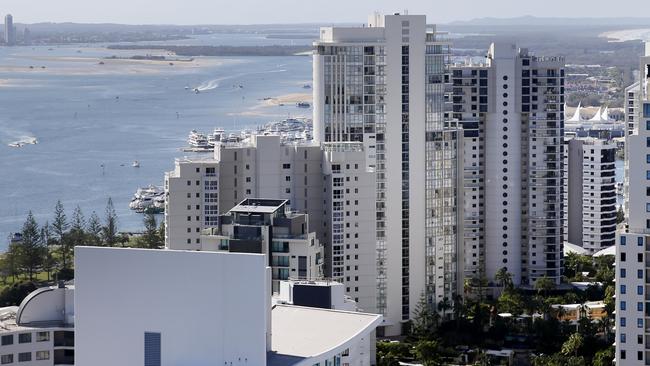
10	30
231	319
330	182
590	193
383	87
267	226
40	331
633	246
511	107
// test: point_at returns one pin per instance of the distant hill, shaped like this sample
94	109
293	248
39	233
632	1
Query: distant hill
542	21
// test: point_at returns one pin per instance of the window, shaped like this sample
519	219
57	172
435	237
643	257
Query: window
623	257
639	273
639	241
623	305
42	355
152	349
622	272
639	323
25	338
622	240
42	336
647	174
286	166
5	359
622	337
623	321
647	157
623	289
7	339
622	354
639	306
647	125
639	290
646	110
24	357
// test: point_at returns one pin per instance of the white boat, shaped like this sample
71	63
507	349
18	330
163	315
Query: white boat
148	199
303	105
136	164
15	144
198	140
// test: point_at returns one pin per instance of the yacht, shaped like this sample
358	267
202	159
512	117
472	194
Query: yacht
303	105
148	199
136	164
198	140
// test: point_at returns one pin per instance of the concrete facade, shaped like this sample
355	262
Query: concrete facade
383	85
511	110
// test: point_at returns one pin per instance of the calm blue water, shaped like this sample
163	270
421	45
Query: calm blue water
72	108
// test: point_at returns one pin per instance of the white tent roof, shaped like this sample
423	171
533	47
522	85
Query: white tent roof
607	251
605	115
576	115
572	248
597	117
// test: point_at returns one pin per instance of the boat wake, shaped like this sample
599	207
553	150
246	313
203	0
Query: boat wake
208	85
28	140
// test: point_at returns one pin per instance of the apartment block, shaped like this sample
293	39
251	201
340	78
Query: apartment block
633	246
330	182
511	108
383	86
590	193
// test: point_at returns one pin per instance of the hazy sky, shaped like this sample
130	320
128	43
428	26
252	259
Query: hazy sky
299	11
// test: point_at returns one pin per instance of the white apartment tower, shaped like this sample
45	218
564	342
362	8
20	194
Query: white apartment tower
10	30
330	182
511	108
633	246
383	86
590	193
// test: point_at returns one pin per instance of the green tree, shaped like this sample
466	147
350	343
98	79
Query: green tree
150	239
49	262
10	263
109	232
60	224
428	352
425	319
390	353
31	249
511	301
544	285
504	278
572	345
94	230
604	357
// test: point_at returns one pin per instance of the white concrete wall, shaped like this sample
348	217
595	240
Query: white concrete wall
207	311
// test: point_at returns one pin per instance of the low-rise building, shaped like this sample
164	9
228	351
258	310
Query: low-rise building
39	332
267	226
203	308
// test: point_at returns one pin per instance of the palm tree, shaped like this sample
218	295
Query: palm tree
504	278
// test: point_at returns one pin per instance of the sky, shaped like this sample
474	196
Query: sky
299	11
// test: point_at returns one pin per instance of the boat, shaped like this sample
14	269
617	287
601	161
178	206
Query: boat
198	140
303	105
136	164
15	144
306	86
150	199
196	91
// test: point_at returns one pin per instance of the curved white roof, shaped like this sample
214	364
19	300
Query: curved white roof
597	117
576	115
607	251
572	248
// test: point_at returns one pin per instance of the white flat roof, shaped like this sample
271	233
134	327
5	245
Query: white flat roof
300	333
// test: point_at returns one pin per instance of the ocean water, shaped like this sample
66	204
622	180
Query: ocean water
92	121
